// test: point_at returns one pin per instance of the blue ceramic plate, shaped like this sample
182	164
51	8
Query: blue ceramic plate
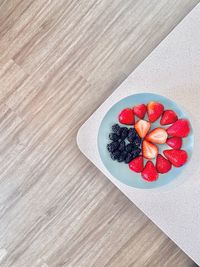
121	171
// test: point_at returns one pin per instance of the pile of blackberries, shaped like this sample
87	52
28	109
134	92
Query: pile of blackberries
125	145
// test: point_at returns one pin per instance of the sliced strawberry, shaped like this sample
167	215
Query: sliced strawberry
154	110
149	172
126	116
158	136
149	150
140	110
174	142
162	164
142	127
176	156
136	164
168	117
181	128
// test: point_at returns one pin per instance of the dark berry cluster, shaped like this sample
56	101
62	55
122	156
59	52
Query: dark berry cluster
125	145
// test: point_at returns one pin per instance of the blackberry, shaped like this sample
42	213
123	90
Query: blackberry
129	147
135	146
128	158
115	155
137	141
109	147
124	133
122	145
120	159
124	153
113	136
112	156
136	152
131	135
112	146
122	156
116	129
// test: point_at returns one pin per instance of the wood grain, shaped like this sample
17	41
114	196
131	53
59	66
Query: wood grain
59	60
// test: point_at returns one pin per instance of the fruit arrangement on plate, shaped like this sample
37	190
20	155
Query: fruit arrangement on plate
134	143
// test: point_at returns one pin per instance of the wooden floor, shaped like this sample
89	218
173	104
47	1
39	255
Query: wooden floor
59	60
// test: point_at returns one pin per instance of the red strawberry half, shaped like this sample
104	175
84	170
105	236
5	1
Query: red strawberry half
176	156
180	128
162	164
126	116
168	117
149	172
136	164
140	110
149	150
154	110
158	136
175	142
142	127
